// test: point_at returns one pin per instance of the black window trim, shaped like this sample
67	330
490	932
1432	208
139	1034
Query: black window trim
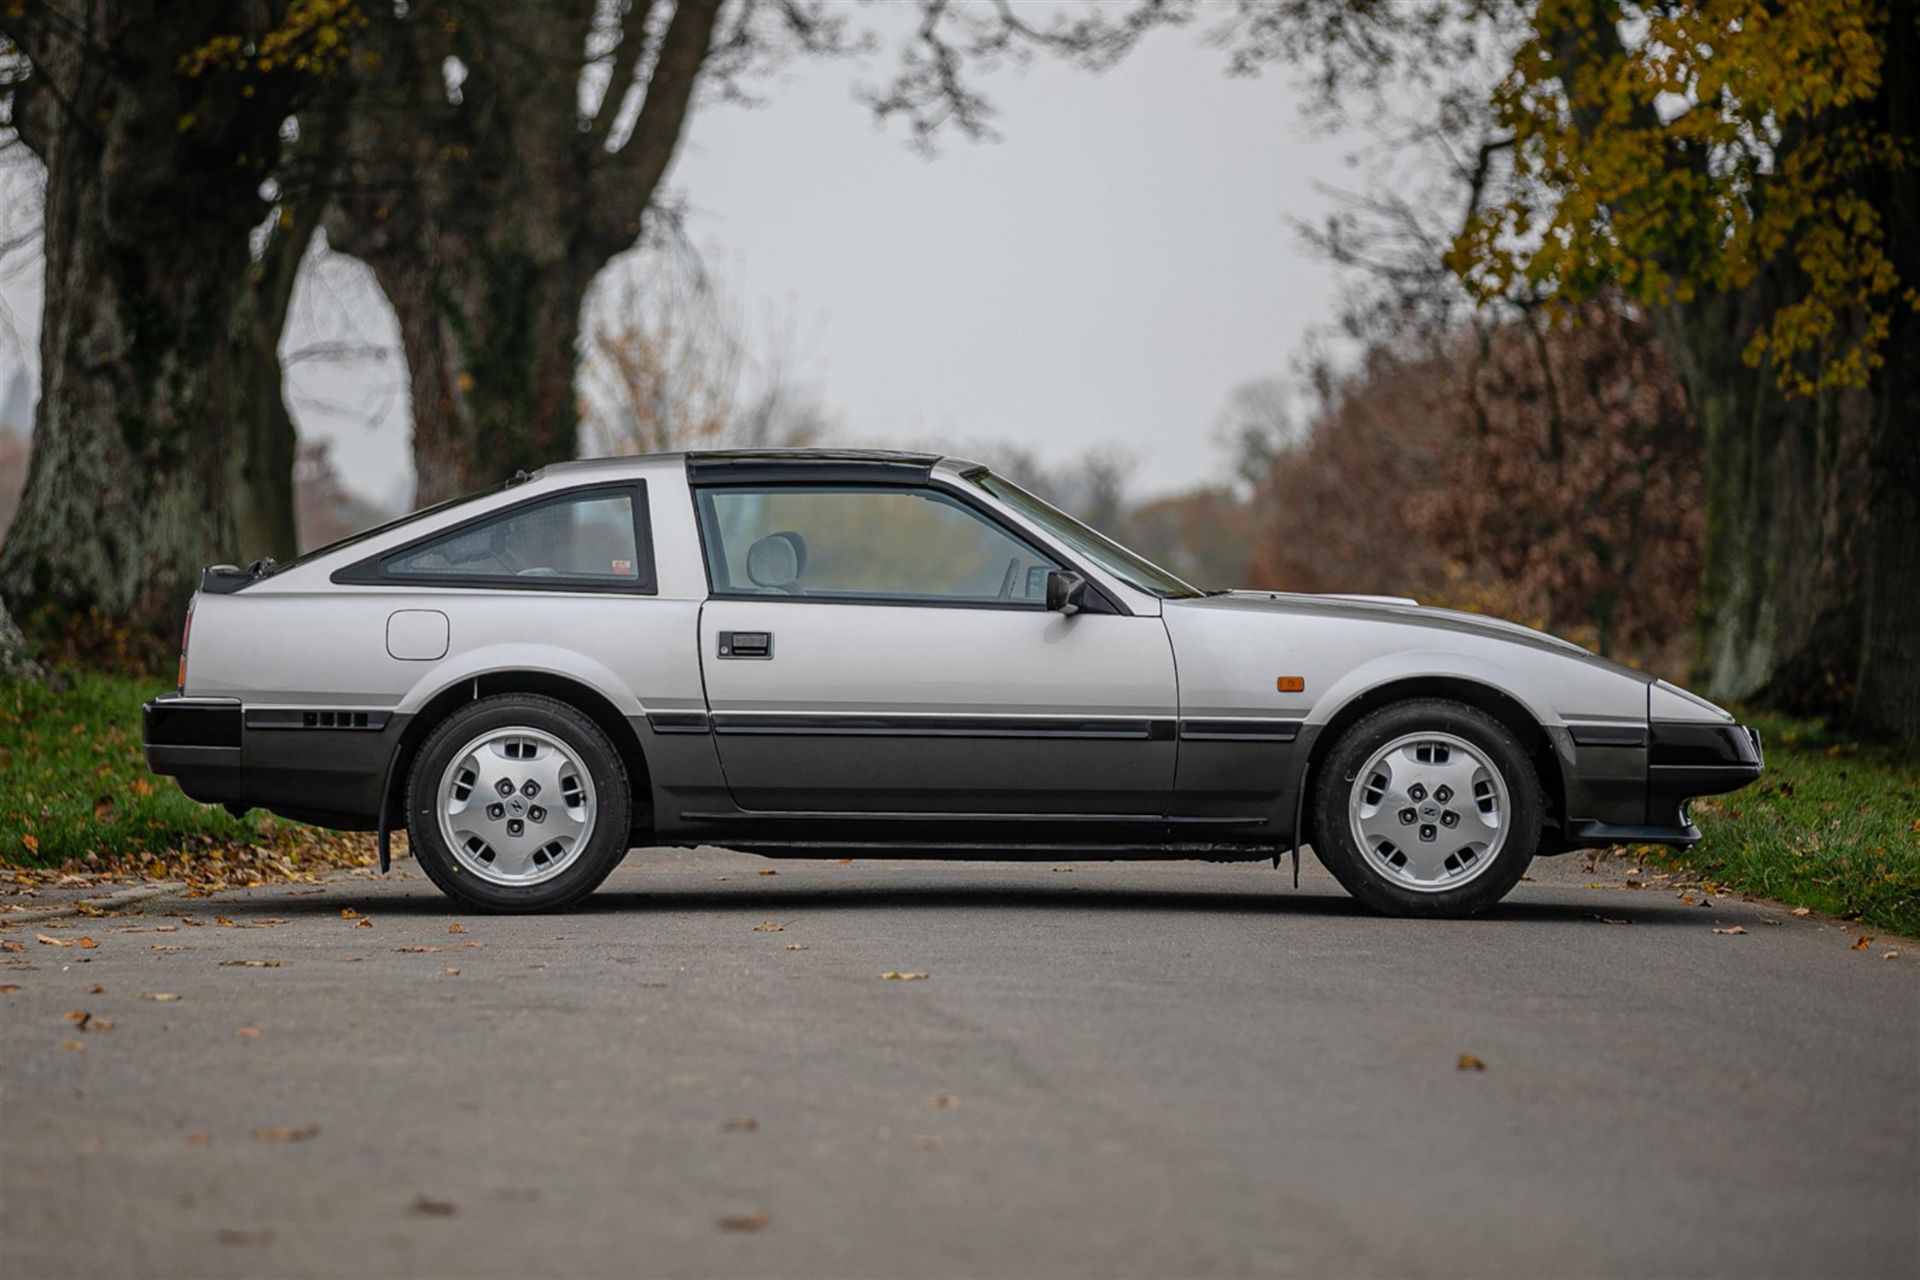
373	571
1099	600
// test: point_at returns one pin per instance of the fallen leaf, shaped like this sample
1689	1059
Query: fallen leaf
768	872
13	946
943	1100
103	809
248	1033
8	988
1802	911
418	950
451	972
141	787
1610	920
456	927
1468	1062
895	975
1730	929
77	1016
364	924
97	991
284	1133
31	843
161	996
747	1222
1860	943
197	1139
845	862
348	913
89	944
1060	868
768	926
223	922
1888	955
249	964
48	940
739	1124
427	1206
72	1044
795	946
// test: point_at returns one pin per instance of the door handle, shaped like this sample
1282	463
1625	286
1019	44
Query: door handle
746	644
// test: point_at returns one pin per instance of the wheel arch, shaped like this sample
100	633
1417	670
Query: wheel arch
1512	714
583	697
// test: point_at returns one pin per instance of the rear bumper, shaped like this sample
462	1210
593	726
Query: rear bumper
197	742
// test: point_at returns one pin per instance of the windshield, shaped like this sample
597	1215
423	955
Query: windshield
1137	572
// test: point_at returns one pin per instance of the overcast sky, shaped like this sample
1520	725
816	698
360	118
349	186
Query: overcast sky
1101	278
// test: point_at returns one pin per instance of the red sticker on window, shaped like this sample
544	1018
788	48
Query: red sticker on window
623	566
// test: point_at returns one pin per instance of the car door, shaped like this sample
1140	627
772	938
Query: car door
886	648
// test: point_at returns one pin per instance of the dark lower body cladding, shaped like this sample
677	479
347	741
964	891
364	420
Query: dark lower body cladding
320	767
1684	761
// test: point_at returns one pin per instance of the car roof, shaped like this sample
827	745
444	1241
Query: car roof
738	466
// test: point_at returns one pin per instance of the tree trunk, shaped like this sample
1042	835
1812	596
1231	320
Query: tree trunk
486	211
16	660
1887	697
1780	598
161	441
491	355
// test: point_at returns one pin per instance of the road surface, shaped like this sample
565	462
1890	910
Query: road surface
1109	1069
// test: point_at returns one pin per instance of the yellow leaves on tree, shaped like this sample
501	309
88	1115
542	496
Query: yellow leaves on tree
1671	150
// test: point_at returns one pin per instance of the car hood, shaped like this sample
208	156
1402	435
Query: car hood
1404	612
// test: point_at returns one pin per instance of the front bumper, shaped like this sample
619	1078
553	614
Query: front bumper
197	742
1685	760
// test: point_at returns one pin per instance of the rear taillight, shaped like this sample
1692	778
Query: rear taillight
186	632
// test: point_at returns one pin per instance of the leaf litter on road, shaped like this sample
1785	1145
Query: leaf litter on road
895	975
284	1133
1730	930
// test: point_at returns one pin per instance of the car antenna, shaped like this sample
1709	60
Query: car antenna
519	477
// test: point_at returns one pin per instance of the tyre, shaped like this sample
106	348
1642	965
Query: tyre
1427	807
518	803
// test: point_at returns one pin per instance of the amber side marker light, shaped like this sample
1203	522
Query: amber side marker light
186	633
1291	684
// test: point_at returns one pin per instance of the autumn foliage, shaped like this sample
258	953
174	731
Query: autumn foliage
1546	472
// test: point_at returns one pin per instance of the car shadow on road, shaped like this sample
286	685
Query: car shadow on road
764	898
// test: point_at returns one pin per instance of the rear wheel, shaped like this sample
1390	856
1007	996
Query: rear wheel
1427	808
518	803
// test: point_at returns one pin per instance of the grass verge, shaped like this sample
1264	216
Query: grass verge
76	794
1833	825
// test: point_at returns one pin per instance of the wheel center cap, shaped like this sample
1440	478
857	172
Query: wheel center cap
516	806
1429	811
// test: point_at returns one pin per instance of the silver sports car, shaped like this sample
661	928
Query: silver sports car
815	653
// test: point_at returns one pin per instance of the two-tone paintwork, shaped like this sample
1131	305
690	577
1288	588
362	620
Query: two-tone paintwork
1161	722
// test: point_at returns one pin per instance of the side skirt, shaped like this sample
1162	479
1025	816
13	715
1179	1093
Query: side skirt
976	852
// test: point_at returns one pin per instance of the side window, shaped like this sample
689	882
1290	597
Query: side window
912	545
587	540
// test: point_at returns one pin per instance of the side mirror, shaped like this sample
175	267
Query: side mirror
1066	591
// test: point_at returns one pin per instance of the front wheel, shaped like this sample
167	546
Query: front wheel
1427	808
518	803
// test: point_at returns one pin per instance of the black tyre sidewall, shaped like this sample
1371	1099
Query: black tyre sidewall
606	846
1341	854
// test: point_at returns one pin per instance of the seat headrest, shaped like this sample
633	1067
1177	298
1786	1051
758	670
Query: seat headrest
777	560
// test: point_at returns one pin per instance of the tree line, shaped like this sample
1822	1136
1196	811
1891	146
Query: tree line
1736	177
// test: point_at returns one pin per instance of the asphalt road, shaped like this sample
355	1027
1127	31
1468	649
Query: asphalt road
1125	1069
